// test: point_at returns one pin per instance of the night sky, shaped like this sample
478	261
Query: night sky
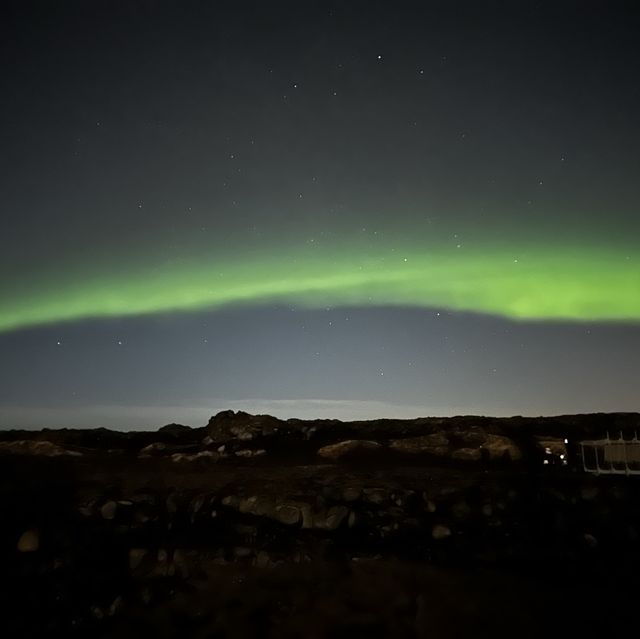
317	209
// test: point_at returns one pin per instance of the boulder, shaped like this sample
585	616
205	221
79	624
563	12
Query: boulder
467	454
351	493
247	505
436	444
203	455
231	501
288	514
440	531
376	496
348	448
330	519
307	516
248	452
109	509
29	541
258	505
263	507
152	450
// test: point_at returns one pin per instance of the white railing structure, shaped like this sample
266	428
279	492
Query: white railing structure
611	456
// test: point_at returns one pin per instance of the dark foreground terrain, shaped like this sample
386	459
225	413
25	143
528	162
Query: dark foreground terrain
256	527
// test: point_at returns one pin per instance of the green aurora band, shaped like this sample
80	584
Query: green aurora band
576	283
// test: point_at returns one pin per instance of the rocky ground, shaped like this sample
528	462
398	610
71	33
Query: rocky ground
257	527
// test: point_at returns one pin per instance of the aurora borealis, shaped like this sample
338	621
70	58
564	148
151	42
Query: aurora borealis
409	207
582	285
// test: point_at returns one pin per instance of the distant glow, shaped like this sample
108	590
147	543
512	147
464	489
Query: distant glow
549	283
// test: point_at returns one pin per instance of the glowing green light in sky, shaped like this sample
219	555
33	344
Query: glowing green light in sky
577	283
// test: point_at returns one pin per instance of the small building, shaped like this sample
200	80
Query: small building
611	456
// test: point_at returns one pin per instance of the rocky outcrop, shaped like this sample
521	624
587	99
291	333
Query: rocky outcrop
500	447
176	431
36	448
228	425
244	437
